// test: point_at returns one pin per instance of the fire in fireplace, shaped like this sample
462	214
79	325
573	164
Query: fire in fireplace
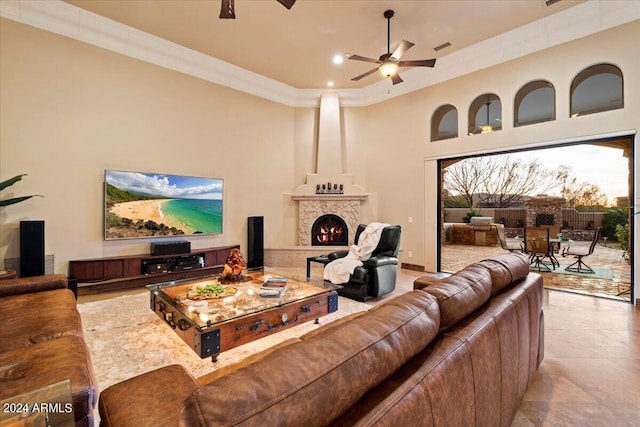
329	230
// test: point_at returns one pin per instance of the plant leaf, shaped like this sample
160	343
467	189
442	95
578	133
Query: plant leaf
14	200
10	182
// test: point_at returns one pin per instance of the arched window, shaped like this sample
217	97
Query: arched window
485	114
596	89
535	103
444	123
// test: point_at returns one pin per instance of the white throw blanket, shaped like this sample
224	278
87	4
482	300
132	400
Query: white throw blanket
338	271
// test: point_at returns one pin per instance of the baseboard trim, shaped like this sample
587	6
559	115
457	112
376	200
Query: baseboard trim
413	267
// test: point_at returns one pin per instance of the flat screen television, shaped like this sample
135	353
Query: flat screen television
143	205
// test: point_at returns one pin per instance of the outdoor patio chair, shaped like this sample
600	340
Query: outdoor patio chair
513	247
579	266
536	244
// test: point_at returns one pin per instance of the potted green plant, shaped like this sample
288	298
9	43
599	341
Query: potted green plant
13	200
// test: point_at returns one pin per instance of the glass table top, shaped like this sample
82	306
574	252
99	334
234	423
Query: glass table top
209	300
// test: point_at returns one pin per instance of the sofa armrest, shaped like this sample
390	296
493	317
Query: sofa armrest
26	285
154	398
337	254
378	261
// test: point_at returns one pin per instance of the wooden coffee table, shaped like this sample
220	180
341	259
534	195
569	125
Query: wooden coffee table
242	313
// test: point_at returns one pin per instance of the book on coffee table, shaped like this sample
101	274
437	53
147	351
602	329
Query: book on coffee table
275	283
273	287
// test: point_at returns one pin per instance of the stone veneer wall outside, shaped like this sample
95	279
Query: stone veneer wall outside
543	205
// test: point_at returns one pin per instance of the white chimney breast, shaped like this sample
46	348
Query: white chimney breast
329	144
312	205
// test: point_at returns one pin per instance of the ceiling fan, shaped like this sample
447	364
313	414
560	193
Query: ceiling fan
389	62
227	11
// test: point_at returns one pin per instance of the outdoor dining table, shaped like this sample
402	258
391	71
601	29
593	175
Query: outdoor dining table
552	248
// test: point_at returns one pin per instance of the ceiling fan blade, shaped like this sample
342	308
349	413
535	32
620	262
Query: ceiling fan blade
401	49
361	76
287	3
418	63
395	78
363	58
227	10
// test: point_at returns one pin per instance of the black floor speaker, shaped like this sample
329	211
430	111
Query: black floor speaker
31	248
255	244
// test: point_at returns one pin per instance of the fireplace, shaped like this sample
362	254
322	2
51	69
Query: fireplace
339	200
544	219
329	230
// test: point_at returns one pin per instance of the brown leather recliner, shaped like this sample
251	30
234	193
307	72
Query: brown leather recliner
377	276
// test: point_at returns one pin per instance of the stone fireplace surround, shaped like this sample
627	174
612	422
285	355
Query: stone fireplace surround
312	207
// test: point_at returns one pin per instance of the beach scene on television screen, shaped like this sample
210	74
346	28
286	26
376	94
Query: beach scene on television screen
148	205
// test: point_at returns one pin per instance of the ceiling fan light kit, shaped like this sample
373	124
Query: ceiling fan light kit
390	62
388	68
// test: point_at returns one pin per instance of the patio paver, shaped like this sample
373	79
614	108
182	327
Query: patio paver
456	257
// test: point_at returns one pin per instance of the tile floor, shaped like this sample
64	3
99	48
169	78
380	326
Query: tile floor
590	375
455	257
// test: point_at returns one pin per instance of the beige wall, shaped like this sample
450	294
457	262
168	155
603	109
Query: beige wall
68	111
400	128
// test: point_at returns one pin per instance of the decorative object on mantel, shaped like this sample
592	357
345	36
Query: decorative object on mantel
329	188
10	182
233	267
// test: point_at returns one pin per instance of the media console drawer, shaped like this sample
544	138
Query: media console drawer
133	271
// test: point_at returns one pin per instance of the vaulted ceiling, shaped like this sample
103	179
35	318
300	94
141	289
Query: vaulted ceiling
296	46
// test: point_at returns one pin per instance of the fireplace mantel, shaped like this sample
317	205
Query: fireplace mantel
329	197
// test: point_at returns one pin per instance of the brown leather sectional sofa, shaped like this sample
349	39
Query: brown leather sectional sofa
41	342
460	351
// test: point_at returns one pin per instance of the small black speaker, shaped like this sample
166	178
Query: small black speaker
255	244
171	248
31	248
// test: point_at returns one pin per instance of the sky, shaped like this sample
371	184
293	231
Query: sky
606	167
171	186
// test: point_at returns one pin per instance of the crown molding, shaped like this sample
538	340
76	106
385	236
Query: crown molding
67	20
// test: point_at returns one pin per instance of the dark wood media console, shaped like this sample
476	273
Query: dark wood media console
134	271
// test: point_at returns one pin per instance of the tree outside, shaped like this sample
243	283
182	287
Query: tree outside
502	182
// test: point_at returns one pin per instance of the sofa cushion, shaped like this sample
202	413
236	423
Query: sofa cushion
37	300
34	326
212	376
28	285
319	377
429	279
461	294
49	362
505	270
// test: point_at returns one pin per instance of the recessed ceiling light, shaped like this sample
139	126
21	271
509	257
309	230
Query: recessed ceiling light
330	84
338	59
